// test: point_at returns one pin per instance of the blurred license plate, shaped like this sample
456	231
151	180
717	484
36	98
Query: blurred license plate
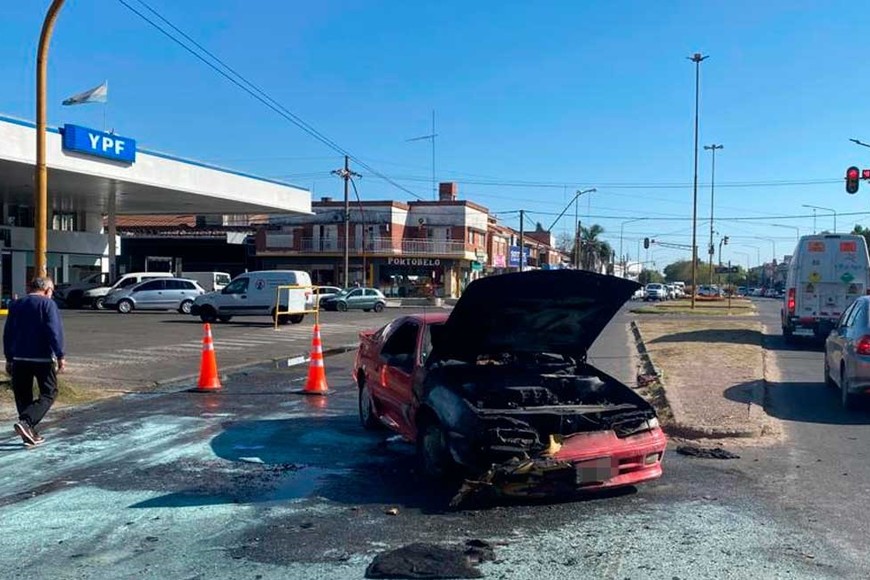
595	470
804	331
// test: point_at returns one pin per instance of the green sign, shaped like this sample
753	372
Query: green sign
476	266
847	277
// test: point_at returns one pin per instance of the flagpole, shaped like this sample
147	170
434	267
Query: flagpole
40	231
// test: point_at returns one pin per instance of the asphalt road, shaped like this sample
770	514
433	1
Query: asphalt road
143	348
822	469
253	482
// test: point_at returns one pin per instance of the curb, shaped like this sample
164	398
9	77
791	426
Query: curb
679	427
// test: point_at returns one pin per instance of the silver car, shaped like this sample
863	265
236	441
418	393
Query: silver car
155	294
847	353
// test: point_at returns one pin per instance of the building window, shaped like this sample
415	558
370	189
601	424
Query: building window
65	222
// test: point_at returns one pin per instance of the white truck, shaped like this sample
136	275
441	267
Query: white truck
211	281
827	273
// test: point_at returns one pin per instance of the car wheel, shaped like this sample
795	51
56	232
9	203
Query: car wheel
225	318
379	307
207	314
296	318
185	307
125	306
829	381
846	398
341	306
280	318
433	454
99	303
367	416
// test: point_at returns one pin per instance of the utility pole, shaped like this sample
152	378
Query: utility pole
695	58
522	235
577	246
710	248
346	174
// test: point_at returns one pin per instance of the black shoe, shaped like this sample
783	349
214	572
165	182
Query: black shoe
25	432
37	438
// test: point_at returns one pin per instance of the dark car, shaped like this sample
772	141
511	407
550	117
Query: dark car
500	392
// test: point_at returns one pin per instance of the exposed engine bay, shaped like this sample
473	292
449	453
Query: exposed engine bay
522	401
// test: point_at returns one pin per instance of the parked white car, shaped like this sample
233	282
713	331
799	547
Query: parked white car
71	295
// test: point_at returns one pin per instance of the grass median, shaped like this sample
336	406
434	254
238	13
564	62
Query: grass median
715	307
712	372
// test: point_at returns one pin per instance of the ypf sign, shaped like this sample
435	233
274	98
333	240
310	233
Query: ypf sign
99	144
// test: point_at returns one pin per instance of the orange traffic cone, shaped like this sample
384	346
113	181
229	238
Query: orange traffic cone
208	372
316	383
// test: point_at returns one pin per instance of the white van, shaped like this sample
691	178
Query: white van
255	294
211	281
95	296
827	273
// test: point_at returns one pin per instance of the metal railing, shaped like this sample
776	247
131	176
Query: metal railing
296	304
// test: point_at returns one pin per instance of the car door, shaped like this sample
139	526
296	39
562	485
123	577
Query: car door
149	295
234	298
176	291
355	299
369	299
836	344
398	363
854	332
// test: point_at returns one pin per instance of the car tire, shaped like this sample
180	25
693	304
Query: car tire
185	307
379	307
367	416
433	454
99	303
125	306
341	306
847	399
829	380
296	318
280	319
208	314
225	318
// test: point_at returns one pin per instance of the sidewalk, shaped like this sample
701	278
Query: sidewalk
712	372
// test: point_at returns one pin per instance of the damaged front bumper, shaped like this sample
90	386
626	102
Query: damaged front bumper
582	461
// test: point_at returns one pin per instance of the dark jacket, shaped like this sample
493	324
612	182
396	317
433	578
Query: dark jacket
33	329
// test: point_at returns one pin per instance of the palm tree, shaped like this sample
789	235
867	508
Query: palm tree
593	251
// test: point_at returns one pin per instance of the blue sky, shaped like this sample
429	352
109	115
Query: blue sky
566	95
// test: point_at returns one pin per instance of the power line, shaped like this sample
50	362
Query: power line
253	90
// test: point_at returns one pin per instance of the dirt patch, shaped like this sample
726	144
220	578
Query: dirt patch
70	394
712	372
706	452
432	561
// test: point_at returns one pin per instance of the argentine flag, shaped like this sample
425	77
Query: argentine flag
98	94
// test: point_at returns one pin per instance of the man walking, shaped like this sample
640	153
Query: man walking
33	345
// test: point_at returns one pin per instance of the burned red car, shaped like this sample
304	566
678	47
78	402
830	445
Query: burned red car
500	390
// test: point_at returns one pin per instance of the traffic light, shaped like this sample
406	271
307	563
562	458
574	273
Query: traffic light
853	174
726	240
646	243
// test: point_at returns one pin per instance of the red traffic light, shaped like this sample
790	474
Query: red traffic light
865	174
852	176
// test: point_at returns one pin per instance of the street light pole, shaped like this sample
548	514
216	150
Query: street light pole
695	58
40	192
815	207
710	248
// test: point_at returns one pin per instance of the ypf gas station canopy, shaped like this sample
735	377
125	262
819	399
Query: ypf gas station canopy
87	166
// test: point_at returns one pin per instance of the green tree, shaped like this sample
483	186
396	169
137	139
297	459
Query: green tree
862	231
681	271
648	276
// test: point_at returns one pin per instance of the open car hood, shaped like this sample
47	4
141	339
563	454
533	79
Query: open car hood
543	311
